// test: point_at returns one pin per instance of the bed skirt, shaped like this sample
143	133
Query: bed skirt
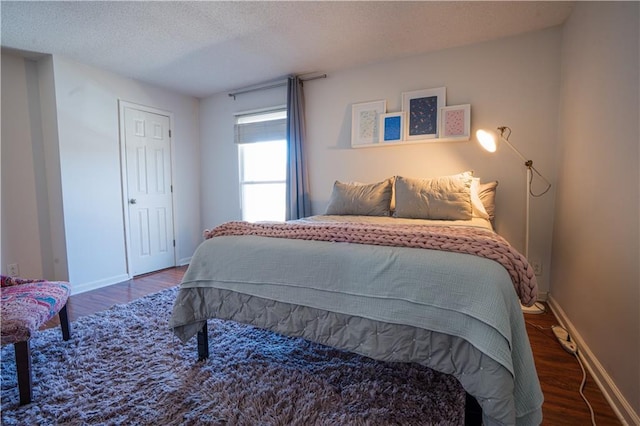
490	383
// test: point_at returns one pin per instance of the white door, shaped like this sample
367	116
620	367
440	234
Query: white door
149	190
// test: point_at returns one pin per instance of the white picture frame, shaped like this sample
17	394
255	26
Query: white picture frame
455	122
422	109
365	122
392	127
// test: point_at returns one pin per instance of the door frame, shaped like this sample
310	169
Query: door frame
122	104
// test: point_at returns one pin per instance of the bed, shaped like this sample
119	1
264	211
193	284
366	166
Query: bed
404	270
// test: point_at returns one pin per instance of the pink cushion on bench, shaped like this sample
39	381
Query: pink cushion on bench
28	304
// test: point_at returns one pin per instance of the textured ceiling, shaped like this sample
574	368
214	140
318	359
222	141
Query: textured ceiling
201	48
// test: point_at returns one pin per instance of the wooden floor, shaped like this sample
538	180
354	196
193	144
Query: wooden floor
559	372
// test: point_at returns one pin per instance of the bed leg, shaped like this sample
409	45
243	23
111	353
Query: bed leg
203	343
472	412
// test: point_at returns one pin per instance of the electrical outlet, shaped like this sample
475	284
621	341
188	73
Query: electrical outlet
13	270
537	267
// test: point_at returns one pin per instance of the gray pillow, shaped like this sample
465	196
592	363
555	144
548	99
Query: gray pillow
445	198
360	199
487	193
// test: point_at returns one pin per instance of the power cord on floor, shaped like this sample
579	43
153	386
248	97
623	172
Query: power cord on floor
584	380
563	337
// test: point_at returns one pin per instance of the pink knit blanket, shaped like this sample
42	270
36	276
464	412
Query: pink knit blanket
458	239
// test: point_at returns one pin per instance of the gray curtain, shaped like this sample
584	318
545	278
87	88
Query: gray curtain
298	203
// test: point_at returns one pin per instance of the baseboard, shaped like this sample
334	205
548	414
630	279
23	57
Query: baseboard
184	261
612	394
84	287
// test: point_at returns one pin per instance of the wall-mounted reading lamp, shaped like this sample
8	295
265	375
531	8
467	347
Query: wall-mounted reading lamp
489	142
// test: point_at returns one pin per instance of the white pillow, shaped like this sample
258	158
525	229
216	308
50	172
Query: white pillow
476	203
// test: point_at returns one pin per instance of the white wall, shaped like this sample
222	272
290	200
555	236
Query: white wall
62	212
55	263
596	256
21	158
513	82
220	196
87	108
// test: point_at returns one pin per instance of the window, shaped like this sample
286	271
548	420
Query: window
262	154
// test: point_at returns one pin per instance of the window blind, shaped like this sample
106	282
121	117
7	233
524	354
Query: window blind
263	127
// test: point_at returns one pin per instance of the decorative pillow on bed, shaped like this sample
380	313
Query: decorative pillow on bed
445	198
360	199
487	194
479	209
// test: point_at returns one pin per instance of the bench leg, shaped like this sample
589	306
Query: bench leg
23	365
203	343
64	323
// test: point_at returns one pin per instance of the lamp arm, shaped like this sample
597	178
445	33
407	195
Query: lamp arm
515	150
529	165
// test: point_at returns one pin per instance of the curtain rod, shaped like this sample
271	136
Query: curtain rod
269	85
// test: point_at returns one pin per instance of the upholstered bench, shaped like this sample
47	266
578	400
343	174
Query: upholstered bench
26	306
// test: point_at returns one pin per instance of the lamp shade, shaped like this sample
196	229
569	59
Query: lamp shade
487	140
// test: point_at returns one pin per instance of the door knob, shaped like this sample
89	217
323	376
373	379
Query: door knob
132	201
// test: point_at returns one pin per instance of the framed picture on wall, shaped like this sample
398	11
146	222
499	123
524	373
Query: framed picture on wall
391	127
455	122
365	122
422	108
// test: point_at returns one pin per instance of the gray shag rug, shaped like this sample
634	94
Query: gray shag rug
124	366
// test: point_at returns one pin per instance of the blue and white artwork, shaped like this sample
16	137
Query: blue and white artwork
392	128
365	122
368	129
